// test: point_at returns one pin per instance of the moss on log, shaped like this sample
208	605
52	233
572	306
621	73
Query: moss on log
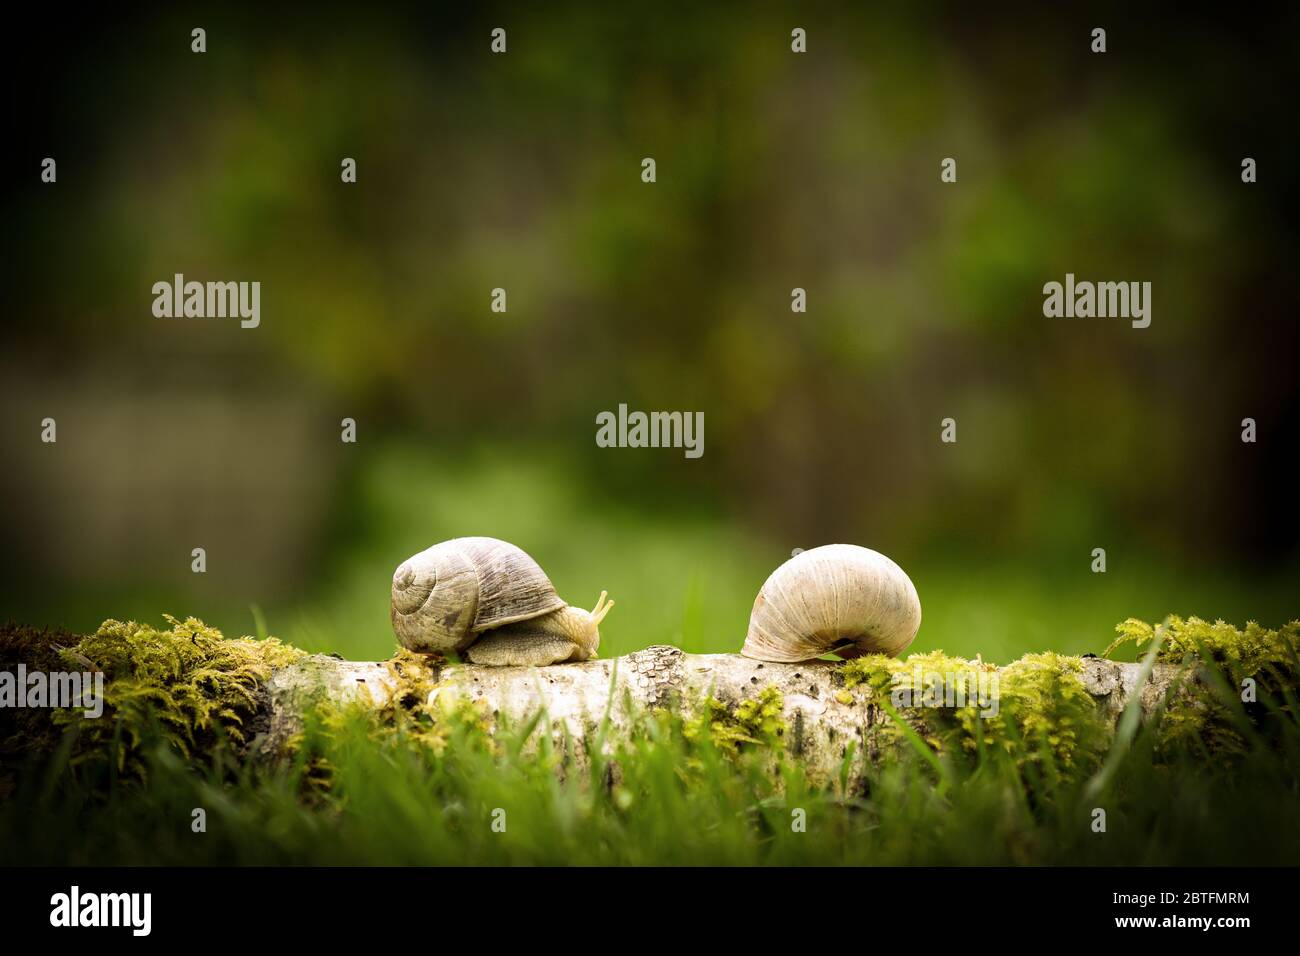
195	690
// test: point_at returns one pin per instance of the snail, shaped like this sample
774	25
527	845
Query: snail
837	599
490	602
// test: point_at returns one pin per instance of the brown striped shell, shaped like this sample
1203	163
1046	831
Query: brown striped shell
839	599
447	595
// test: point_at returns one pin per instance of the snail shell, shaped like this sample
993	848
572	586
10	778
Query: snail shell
839	599
446	596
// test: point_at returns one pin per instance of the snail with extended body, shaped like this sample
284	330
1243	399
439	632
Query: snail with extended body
837	599
490	602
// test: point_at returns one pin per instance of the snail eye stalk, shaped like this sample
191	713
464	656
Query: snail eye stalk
601	609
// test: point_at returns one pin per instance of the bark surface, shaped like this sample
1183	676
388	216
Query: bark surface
821	715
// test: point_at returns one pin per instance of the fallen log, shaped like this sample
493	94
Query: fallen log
191	687
821	714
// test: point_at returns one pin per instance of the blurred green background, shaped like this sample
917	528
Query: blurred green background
775	171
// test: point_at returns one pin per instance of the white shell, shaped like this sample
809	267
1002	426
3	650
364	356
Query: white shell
838	598
447	595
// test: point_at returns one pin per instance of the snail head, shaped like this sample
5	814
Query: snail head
587	635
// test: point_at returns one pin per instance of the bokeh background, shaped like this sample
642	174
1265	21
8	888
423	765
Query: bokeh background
775	170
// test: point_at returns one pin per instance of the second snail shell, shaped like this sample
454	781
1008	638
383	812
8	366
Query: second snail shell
837	599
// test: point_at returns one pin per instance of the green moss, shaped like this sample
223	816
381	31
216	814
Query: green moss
1049	725
1048	718
1045	718
427	716
1211	710
185	685
1256	652
415	677
875	671
755	722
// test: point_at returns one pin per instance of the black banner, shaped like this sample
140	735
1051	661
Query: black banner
438	907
